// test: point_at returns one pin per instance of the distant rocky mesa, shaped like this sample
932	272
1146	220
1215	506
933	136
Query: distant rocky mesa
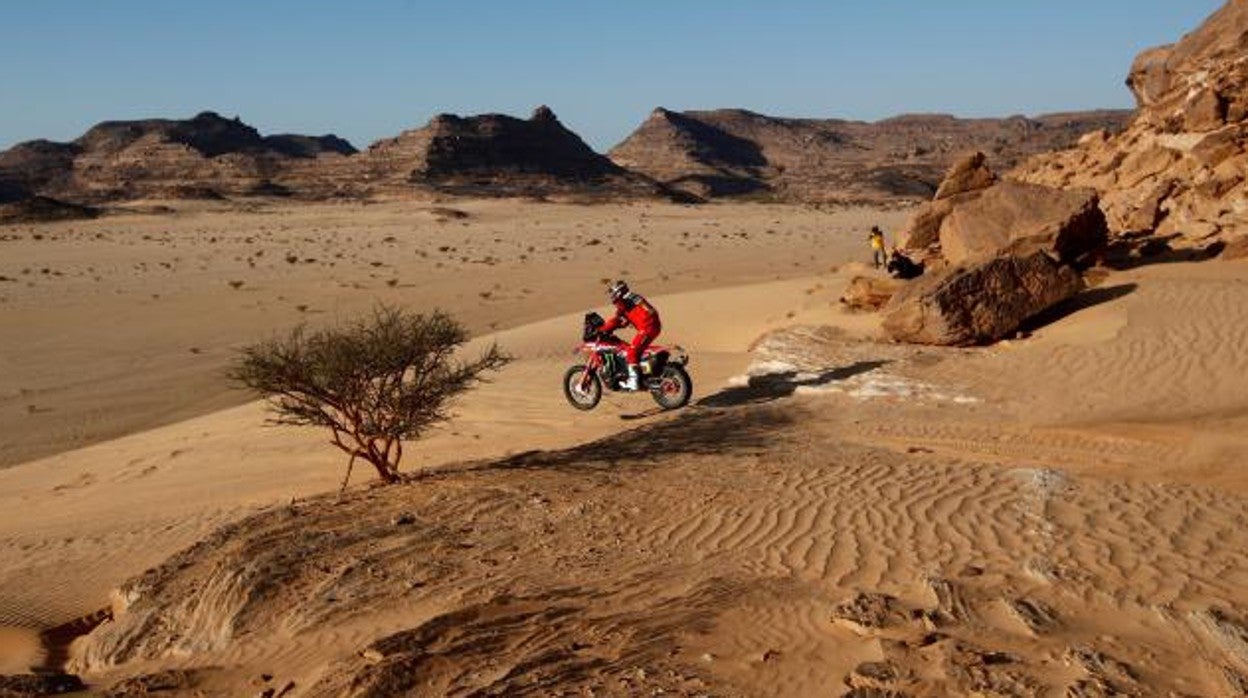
1179	171
733	152
209	156
495	154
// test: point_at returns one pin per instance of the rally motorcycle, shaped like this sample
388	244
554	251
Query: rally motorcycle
663	372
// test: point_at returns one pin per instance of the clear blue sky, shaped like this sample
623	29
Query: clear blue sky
368	69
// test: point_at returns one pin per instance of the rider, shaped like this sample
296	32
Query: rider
633	309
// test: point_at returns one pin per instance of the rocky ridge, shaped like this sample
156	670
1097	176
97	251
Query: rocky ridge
494	154
209	156
1179	172
733	152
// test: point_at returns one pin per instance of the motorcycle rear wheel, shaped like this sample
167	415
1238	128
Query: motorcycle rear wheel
673	388
585	398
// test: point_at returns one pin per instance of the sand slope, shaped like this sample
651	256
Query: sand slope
1061	514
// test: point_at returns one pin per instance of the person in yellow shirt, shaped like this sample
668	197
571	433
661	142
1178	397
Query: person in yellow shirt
878	255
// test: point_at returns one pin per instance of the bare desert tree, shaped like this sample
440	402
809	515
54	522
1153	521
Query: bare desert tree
373	383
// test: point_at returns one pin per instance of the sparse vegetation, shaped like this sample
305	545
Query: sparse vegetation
372	383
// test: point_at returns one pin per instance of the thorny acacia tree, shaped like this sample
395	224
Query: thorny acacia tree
372	383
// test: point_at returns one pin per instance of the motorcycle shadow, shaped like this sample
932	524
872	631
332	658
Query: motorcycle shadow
692	432
774	386
653	411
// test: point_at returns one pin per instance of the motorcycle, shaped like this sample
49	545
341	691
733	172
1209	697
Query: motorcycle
663	372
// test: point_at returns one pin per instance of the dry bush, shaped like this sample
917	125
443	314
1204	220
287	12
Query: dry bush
373	383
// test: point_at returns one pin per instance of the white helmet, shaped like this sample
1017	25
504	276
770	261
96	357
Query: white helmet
618	290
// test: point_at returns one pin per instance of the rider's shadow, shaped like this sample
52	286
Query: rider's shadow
773	386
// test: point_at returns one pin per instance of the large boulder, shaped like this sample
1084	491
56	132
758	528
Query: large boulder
1066	223
980	302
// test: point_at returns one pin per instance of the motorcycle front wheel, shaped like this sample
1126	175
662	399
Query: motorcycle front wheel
583	392
673	388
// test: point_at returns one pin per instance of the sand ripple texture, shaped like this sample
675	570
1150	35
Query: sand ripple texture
747	550
1179	350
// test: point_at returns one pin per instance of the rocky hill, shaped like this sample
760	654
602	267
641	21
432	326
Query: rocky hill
1179	170
206	156
495	154
732	152
209	156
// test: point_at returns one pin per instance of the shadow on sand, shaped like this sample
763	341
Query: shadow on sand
774	386
705	428
695	431
1088	299
1133	251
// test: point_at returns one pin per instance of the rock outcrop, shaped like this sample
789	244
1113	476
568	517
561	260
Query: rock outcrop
735	152
1180	170
979	302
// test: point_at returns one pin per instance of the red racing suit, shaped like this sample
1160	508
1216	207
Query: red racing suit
635	310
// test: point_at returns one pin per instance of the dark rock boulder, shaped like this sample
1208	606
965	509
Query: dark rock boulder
979	302
44	684
1067	223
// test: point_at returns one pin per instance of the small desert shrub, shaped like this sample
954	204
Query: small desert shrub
373	383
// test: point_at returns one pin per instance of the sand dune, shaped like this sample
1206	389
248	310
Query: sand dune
1056	514
128	322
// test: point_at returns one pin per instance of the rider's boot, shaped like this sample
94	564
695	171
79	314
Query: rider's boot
633	382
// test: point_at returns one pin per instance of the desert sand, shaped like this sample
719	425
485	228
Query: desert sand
1060	512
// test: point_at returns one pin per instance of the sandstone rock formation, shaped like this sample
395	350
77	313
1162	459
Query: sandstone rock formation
1065	223
979	302
736	152
998	254
1181	168
964	181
